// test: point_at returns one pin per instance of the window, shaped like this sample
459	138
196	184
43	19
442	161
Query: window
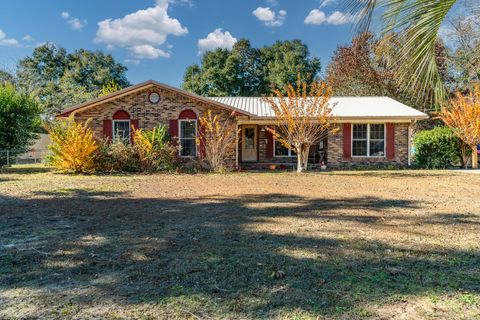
249	138
121	130
368	140
282	151
188	138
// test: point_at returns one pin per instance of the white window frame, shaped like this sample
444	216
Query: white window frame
180	137
368	141
289	151
114	138
287	156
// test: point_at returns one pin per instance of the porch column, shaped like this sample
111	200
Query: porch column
236	146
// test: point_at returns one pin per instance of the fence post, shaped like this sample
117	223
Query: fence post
8	158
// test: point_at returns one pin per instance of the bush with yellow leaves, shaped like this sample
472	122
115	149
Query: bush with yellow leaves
73	146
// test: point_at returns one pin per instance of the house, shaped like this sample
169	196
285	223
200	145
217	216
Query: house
373	130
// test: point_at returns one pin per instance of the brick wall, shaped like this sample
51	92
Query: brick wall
149	115
140	108
335	150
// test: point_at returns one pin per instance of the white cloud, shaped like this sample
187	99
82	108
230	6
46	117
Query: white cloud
132	61
273	3
326	3
4	41
146	51
318	17
269	17
216	39
188	3
141	32
27	38
75	23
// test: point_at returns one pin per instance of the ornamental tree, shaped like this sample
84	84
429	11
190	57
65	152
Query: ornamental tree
303	117
216	136
463	116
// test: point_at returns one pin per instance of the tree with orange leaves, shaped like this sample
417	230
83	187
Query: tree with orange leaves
216	136
303	117
463	116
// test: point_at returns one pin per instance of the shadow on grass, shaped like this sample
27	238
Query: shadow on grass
396	174
219	256
5	179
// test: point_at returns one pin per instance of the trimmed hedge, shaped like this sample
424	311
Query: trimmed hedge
438	148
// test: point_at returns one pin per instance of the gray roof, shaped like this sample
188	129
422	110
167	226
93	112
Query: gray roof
343	107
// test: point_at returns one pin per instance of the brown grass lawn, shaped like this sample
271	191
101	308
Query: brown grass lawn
348	245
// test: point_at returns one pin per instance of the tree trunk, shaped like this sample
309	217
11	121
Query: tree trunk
474	157
464	148
302	158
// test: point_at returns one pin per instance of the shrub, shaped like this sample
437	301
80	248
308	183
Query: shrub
116	157
73	146
153	150
216	138
438	148
19	119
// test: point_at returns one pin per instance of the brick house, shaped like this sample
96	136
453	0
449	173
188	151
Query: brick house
373	130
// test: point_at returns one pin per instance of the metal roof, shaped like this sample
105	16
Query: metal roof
343	107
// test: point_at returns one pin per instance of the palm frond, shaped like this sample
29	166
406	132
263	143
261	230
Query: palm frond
417	22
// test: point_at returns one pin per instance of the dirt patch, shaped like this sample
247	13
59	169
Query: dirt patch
347	245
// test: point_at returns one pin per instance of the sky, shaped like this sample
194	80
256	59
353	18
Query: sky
158	39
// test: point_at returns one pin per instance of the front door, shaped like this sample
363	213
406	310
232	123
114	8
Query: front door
249	143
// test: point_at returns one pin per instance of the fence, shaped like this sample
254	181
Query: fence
11	157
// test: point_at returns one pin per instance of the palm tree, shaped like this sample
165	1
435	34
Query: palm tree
417	24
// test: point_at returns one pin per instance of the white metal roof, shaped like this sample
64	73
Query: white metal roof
343	107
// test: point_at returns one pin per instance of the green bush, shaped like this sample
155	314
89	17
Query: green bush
19	119
438	148
116	157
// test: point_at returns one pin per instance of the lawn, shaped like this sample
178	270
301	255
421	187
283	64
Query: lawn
342	245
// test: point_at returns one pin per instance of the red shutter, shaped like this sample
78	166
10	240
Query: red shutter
347	141
173	130
390	141
134	126
269	137
107	129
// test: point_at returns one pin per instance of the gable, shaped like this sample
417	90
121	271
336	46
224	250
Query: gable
165	92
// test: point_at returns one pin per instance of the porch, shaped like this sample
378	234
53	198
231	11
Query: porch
258	150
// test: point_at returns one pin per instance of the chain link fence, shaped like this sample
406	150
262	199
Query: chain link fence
32	156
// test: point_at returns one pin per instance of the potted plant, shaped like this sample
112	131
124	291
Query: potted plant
323	166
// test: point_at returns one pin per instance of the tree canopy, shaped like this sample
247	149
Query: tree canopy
249	71
417	23
363	68
61	79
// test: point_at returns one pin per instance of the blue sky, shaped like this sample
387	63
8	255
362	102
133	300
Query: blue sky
157	39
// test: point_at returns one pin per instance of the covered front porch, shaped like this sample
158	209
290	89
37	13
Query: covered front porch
257	149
